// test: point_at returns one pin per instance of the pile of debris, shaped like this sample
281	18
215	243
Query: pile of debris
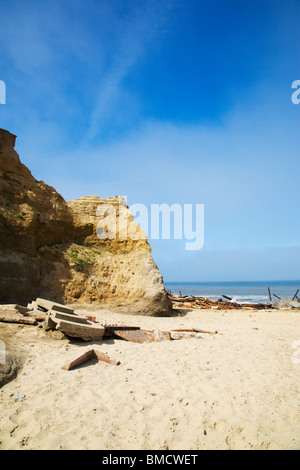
204	303
138	335
65	319
284	304
53	316
13	313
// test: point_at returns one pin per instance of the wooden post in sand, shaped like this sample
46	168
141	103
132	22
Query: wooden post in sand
270	295
295	295
226	297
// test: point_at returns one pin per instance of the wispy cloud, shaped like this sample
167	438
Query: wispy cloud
136	33
67	61
70	67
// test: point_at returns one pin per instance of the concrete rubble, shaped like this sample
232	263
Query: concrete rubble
63	320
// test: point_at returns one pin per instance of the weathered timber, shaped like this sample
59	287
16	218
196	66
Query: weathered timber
195	330
295	295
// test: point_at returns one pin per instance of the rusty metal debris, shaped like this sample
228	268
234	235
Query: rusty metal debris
81	358
136	334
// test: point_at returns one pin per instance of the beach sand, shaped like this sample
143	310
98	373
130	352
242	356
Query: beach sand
238	389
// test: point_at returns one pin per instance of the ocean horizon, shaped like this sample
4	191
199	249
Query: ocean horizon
239	291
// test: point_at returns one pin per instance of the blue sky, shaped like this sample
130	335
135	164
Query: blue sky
183	101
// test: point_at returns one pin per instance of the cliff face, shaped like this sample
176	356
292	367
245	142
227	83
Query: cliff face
50	248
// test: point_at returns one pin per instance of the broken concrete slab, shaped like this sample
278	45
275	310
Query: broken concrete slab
37	314
49	305
32	306
49	324
86	314
10	316
55	315
87	332
69	322
15	308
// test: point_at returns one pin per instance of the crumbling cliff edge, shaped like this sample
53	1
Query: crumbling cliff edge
49	247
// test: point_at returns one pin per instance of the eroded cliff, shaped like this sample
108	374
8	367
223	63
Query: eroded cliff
50	248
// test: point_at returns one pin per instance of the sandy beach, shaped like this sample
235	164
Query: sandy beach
236	389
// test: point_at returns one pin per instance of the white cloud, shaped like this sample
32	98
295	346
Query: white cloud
136	34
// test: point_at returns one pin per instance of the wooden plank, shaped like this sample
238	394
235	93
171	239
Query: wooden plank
49	305
55	315
295	295
196	330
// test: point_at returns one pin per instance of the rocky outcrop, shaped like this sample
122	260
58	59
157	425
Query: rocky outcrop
64	251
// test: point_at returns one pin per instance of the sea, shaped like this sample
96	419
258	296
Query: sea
240	292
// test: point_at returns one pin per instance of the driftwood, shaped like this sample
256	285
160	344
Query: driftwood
196	330
226	297
295	296
204	303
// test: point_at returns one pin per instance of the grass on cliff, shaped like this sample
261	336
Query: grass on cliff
81	255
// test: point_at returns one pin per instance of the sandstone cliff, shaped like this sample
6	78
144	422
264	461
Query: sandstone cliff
50	248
